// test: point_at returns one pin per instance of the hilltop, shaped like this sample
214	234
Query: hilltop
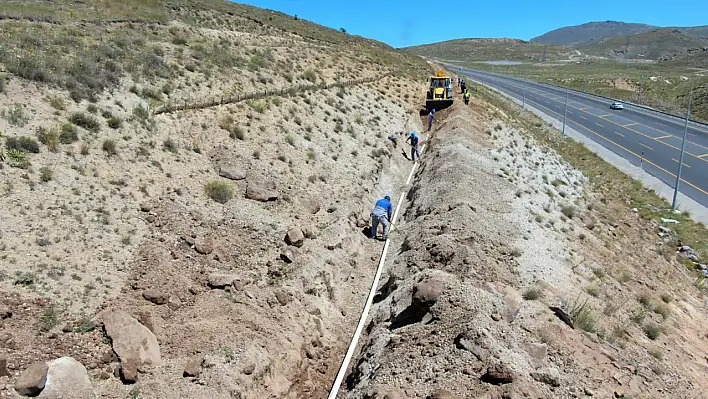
590	33
653	45
472	49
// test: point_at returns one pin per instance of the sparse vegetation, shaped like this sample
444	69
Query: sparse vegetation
568	211
532	293
15	115
582	316
114	122
110	147
48	319
87	122
652	331
220	192
45	174
662	310
22	143
49	137
169	145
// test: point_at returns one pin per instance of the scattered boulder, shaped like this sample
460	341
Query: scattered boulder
67	378
232	172
4	372
288	254
689	253
145	207
295	237
249	369
220	280
194	366
395	394
261	190
282	297
5	314
134	343
32	380
547	375
204	246
427	292
498	373
537	352
156	297
442	394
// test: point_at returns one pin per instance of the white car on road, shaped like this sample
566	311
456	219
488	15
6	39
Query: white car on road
616	105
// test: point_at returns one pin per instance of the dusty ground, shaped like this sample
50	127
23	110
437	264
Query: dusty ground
497	230
87	231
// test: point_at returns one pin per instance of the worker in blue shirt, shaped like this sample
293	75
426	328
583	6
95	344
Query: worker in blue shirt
381	214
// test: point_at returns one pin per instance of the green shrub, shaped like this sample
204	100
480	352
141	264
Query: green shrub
16	115
48	137
290	139
87	122
645	299
568	211
109	146
140	113
22	143
652	331
57	102
68	134
532	293
666	298
219	191
311	154
45	174
48	319
17	158
582	316
237	133
92	109
663	310
259	106
310	75
114	122
169	145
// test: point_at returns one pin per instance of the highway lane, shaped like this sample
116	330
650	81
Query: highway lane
642	137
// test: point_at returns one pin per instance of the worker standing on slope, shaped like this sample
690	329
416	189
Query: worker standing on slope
466	97
431	118
381	214
415	150
463	86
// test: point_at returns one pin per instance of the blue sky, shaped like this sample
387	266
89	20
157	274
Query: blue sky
407	23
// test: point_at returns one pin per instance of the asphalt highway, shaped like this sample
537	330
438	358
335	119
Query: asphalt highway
642	137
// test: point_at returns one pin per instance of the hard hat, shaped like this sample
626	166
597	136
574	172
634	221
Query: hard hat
414	134
388	197
432	112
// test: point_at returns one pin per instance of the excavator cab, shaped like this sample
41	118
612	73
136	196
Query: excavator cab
439	94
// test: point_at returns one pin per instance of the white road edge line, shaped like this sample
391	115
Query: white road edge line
370	299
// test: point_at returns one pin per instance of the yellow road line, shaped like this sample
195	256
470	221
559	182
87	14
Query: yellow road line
623	135
583	109
647	161
663	137
684	164
644	145
631	124
599	124
701	156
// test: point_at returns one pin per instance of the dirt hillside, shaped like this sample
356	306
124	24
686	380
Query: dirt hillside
213	253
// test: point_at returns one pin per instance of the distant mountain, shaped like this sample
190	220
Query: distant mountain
490	50
590	33
657	44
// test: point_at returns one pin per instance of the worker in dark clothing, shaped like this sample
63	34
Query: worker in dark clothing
381	214
466	97
415	150
431	118
463	87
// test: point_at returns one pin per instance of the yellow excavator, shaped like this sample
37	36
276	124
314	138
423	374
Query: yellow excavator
439	94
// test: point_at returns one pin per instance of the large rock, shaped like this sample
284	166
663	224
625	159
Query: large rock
156	297
67	378
134	343
204	246
295	237
261	190
194	366
288	254
220	280
232	172
498	373
4	372
32	380
547	375
427	292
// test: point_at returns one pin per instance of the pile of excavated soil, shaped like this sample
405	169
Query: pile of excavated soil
501	239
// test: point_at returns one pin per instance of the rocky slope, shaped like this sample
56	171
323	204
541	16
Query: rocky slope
505	281
197	254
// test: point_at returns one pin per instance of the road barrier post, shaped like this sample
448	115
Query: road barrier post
683	148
